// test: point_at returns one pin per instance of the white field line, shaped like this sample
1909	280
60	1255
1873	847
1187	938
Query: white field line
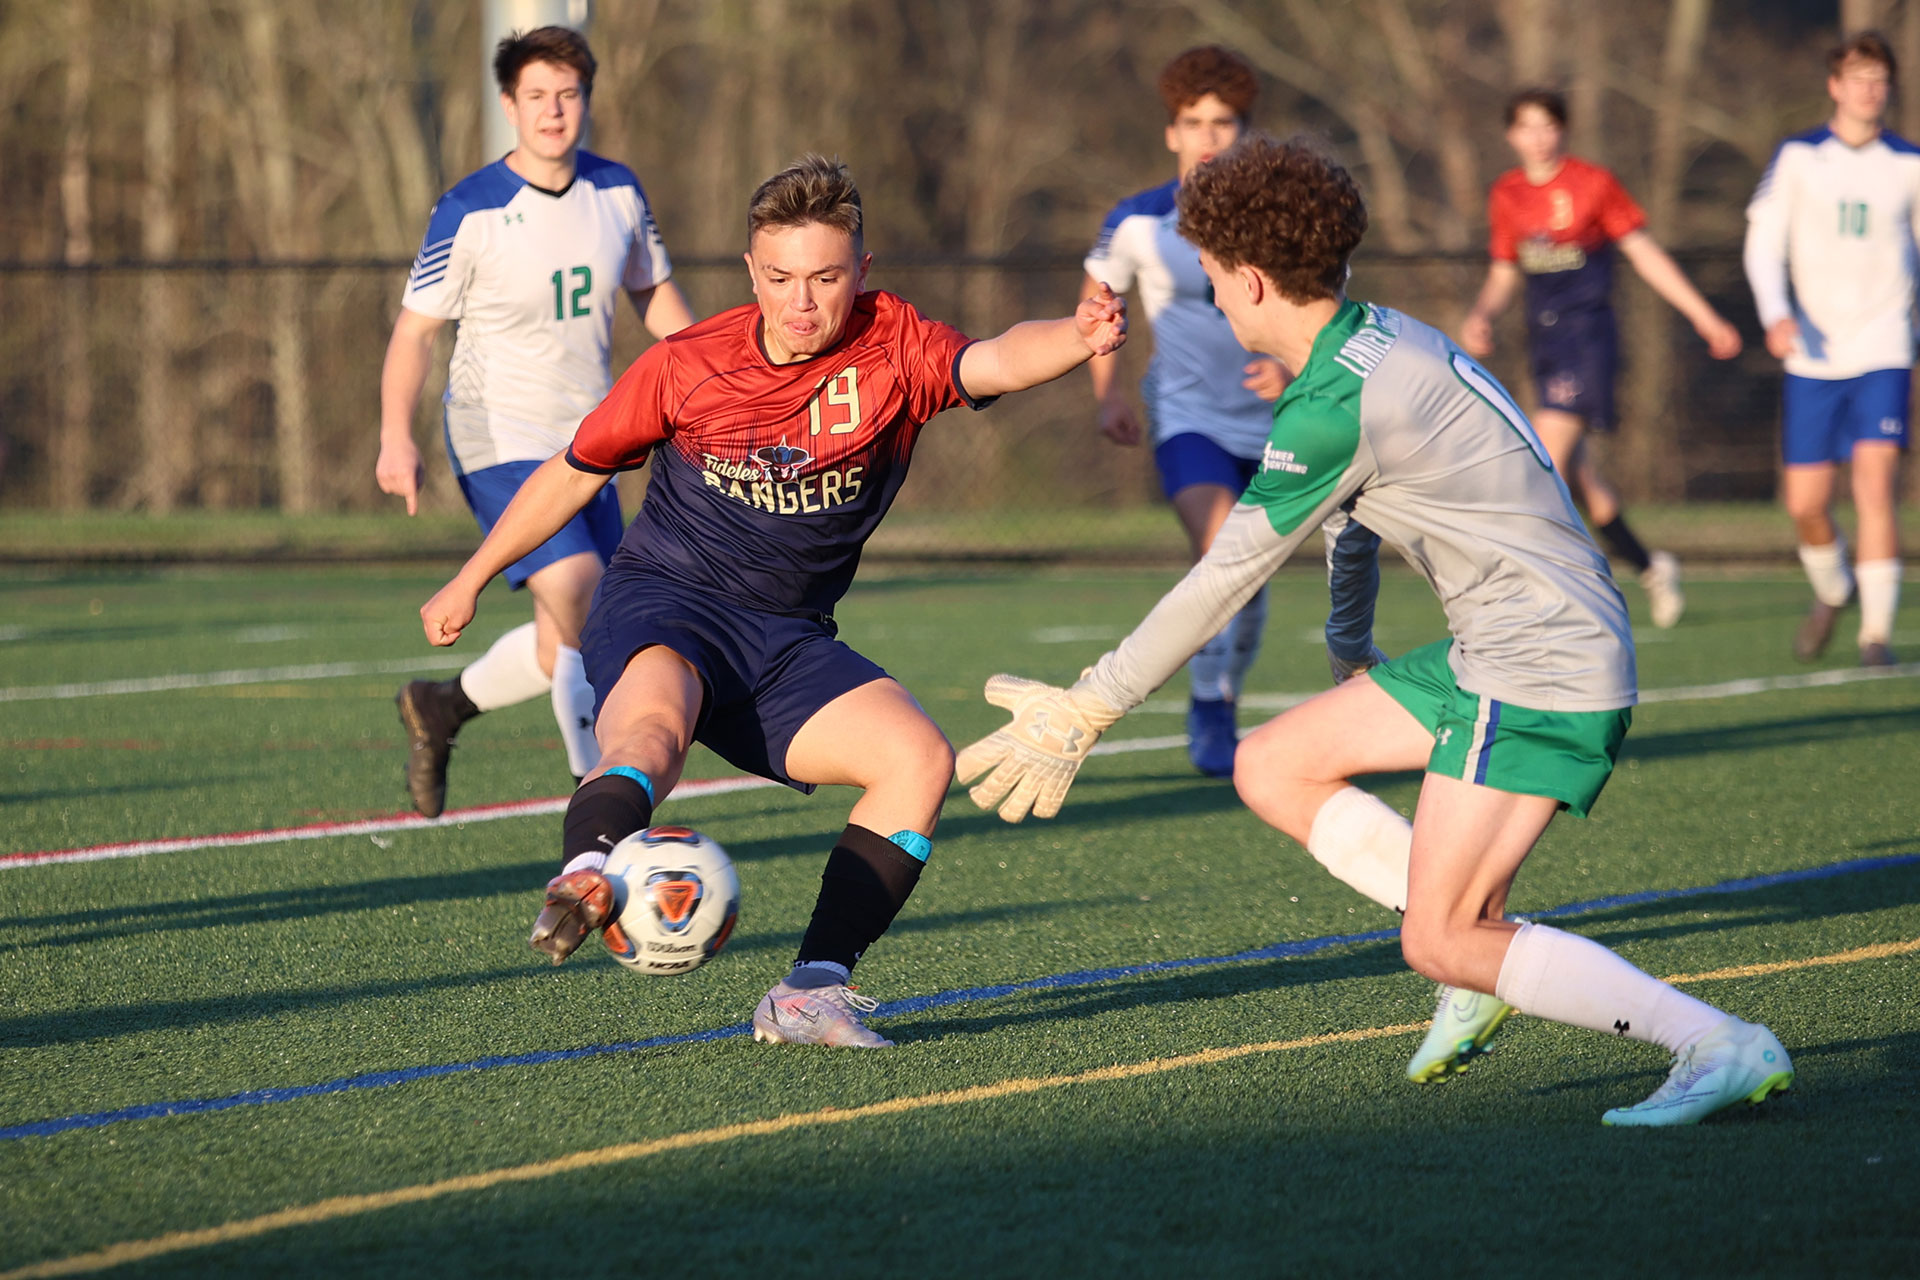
455	818
720	786
245	675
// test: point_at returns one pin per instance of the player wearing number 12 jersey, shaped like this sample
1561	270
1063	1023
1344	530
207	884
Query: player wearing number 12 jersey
779	434
529	255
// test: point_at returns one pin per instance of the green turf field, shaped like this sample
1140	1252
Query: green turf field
1244	1117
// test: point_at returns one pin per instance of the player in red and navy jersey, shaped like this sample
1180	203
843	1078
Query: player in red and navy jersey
1555	222
780	432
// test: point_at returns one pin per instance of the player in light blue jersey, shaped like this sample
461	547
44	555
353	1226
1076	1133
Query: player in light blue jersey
1833	234
1209	400
529	255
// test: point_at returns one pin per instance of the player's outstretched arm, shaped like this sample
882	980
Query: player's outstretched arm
409	355
1038	351
552	495
1664	276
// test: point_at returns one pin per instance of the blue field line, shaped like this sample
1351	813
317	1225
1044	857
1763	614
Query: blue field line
915	1004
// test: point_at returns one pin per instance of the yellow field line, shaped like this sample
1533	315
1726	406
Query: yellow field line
1878	951
350	1206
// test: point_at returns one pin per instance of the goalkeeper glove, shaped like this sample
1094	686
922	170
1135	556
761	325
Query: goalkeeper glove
1031	762
1345	669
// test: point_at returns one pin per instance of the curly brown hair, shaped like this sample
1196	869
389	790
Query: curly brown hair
1209	69
811	189
1282	207
562	46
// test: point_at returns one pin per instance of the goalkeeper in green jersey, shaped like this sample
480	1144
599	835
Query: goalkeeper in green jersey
1517	715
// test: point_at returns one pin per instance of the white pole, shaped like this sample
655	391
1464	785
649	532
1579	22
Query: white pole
500	19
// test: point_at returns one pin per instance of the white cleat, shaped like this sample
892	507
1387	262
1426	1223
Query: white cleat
1736	1061
828	1015
1661	580
1463	1024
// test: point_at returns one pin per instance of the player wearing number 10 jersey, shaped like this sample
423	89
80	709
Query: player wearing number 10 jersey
529	255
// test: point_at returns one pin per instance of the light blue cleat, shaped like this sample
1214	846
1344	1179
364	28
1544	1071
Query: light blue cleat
1736	1061
1463	1024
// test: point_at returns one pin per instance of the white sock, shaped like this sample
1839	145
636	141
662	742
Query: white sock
573	711
1243	640
1827	570
507	673
1208	668
1566	978
1366	844
1879	596
819	973
595	861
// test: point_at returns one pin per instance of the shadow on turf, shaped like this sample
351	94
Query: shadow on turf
1797	903
1767	734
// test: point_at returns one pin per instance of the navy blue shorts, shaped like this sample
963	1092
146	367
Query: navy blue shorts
1823	418
765	674
597	528
1575	357
1191	458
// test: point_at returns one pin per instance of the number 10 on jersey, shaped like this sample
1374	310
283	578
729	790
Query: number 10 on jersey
583	277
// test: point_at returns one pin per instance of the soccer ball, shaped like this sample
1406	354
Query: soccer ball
675	898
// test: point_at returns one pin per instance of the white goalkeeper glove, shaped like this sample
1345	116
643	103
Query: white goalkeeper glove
1344	670
1031	762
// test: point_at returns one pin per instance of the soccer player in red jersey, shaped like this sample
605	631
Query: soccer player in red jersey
780	433
1555	221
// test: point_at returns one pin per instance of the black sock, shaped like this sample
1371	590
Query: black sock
1624	544
867	880
602	813
457	700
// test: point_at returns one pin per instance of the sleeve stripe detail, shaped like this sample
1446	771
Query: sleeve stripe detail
578	464
424	281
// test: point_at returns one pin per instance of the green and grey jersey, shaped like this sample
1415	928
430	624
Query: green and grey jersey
1393	423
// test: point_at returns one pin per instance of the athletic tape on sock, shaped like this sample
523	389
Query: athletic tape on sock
646	783
916	845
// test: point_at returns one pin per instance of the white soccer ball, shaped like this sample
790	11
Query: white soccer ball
675	898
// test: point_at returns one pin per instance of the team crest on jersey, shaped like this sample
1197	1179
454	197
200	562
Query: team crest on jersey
783	461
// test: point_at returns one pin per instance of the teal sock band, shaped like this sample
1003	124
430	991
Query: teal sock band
646	783
917	846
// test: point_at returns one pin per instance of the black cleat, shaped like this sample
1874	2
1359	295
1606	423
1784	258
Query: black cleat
1810	641
428	710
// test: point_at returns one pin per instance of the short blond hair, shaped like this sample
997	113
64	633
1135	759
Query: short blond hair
811	189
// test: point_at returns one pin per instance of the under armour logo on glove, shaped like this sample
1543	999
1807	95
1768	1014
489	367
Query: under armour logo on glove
1031	762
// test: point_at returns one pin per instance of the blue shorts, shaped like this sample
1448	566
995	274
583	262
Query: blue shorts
1574	356
1823	418
765	674
597	528
1191	458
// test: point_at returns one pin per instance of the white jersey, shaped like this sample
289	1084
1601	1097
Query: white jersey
1830	243
1193	381
532	277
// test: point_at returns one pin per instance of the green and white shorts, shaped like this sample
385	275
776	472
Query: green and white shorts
1567	755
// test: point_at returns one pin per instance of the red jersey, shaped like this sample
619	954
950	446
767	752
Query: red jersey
1561	233
774	475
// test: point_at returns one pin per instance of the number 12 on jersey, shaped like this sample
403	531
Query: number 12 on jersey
578	297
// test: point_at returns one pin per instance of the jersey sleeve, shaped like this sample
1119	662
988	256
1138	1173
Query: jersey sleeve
1295	490
437	281
927	353
619	433
1502	238
1618	213
1769	215
647	263
1353	585
1111	259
